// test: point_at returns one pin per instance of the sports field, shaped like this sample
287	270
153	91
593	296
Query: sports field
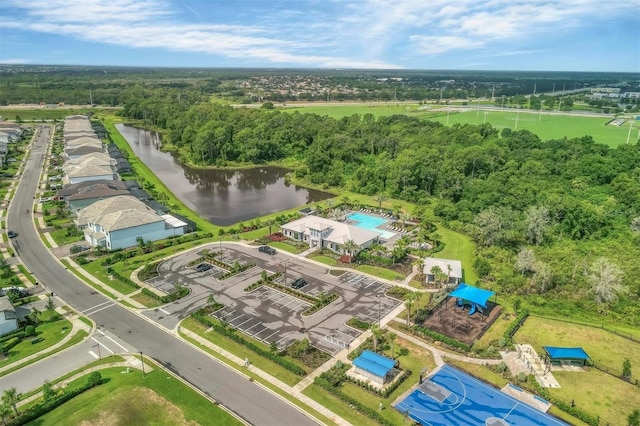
548	125
451	397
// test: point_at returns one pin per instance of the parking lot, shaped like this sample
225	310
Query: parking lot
270	315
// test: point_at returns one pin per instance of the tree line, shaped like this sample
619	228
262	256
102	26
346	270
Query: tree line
569	201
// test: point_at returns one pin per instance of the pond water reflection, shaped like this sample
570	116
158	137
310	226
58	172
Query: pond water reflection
222	197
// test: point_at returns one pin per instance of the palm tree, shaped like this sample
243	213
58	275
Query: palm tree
346	202
12	397
51	306
392	338
34	316
409	303
436	271
419	264
350	247
5	410
375	333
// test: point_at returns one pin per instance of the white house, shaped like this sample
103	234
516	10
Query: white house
121	221
83	173
452	268
326	233
8	317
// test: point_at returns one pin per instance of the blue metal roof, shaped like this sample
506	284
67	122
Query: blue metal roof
472	294
374	363
565	353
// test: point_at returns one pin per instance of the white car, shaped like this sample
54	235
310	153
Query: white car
44	199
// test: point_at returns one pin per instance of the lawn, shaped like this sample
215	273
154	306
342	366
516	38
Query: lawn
160	399
459	247
96	269
147	301
599	394
284	246
61	238
603	347
347	110
326	260
549	126
378	271
342	409
50	332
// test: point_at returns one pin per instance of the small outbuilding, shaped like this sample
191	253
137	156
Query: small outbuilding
373	366
566	356
8	317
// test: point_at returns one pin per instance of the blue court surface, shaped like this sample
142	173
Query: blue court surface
451	397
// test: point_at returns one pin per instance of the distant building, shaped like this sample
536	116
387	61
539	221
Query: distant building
453	269
326	233
119	222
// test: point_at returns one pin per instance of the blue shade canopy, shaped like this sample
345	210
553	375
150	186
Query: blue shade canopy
565	353
374	363
472	294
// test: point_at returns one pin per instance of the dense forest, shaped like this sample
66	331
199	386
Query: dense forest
554	220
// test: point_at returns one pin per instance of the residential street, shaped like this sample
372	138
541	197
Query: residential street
252	402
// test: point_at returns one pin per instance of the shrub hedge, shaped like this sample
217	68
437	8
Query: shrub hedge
442	338
182	292
353	403
515	325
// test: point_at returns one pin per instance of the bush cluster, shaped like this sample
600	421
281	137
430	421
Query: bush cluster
149	270
182	292
442	338
353	403
44	407
320	303
377	391
281	361
515	325
358	324
236	269
122	279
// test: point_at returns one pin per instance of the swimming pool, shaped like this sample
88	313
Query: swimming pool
371	223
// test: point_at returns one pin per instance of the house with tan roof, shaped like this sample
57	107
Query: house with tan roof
319	232
122	221
86	172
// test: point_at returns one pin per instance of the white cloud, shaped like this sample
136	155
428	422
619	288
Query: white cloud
332	33
15	61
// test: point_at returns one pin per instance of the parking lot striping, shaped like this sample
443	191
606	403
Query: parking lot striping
93	354
302	304
335	341
101	344
164	311
246	330
244	322
293	300
345	334
275	332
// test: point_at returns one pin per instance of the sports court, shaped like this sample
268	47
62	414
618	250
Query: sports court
451	397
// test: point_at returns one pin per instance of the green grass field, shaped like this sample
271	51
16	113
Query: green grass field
547	126
459	247
586	388
160	399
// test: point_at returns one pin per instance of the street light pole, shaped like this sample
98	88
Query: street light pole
379	302
142	359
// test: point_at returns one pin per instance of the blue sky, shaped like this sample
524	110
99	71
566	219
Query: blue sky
552	35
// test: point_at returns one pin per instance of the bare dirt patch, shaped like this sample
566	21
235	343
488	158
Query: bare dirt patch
136	406
453	321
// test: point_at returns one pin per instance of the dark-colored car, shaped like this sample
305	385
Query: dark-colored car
203	267
12	234
299	283
267	249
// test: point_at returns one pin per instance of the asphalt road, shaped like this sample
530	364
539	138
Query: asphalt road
252	402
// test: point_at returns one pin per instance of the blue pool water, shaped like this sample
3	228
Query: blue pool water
371	223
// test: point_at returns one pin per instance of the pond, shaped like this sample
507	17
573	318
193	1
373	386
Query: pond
223	197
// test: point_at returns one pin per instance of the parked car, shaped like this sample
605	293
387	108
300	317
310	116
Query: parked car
44	199
299	283
267	250
77	248
12	234
19	291
203	267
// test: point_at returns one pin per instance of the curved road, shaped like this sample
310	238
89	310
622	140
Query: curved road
252	402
